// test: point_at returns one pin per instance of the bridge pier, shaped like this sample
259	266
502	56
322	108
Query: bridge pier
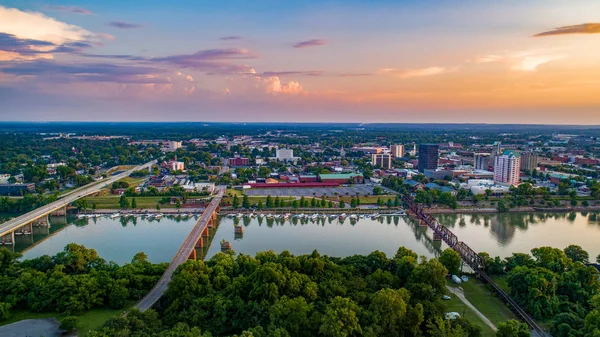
41	222
8	239
200	243
60	212
192	255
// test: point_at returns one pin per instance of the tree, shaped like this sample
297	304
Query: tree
4	311
389	203
260	205
235	203
377	190
269	201
292	315
340	319
598	258
353	203
389	307
512	328
577	254
330	205
295	203
502	207
342	204
69	323
302	202
178	203
245	202
123	202
158	206
451	260
133	203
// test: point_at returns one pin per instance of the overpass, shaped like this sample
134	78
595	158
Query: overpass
24	223
468	255
187	250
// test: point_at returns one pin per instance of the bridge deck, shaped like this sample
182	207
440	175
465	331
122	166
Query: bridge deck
11	225
470	257
182	255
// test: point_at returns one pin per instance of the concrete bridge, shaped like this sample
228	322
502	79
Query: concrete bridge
187	251
23	225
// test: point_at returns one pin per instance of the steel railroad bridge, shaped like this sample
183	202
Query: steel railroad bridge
468	255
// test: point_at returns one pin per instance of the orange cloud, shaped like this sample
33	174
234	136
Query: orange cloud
586	28
410	73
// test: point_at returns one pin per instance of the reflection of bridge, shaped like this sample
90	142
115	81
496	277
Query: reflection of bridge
24	223
469	256
187	251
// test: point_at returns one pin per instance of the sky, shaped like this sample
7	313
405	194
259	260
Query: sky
460	61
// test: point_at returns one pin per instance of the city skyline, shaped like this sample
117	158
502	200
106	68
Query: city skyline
401	61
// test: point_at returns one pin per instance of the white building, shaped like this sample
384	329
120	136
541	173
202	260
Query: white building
397	151
4	178
177	165
284	154
174	145
507	168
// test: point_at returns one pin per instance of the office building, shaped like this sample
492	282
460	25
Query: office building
397	151
383	160
529	161
481	161
507	168
238	161
173	145
496	151
284	154
428	157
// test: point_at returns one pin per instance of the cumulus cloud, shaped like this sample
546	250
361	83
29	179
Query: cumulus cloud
37	26
521	61
230	38
124	25
586	28
411	73
311	43
69	9
275	86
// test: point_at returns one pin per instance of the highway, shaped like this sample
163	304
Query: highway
11	225
182	255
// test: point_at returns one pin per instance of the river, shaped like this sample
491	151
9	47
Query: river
498	234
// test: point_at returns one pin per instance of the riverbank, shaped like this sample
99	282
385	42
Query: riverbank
482	210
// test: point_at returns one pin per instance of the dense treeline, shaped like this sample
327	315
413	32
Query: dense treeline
27	203
72	281
555	285
310	295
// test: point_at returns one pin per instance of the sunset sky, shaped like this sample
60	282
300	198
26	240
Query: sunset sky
535	61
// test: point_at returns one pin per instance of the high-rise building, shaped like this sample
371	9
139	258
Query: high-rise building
397	151
496	151
428	157
383	160
481	161
507	168
529	161
284	154
174	145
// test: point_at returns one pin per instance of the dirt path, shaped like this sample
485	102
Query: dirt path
461	296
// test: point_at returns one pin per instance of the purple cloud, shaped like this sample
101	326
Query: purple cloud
84	72
124	25
11	43
70	9
210	60
311	43
298	73
228	38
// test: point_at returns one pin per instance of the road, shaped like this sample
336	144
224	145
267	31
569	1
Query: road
461	296
94	187
182	255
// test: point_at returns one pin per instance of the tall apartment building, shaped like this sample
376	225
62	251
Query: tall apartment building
507	168
284	154
496	151
481	161
397	150
529	161
428	157
383	160
174	145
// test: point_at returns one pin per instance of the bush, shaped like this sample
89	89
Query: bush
4	311
69	323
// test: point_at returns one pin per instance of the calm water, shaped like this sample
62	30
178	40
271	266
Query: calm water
497	234
114	240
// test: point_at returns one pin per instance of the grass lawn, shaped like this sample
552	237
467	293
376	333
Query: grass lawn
255	200
233	191
501	282
89	320
455	304
112	202
486	301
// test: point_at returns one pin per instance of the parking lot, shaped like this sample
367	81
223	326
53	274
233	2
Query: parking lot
362	189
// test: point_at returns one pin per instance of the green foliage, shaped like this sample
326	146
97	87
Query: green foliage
342	204
73	281
502	206
134	203
577	254
69	323
4	311
451	260
245	202
123	202
235	203
512	328
340	319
